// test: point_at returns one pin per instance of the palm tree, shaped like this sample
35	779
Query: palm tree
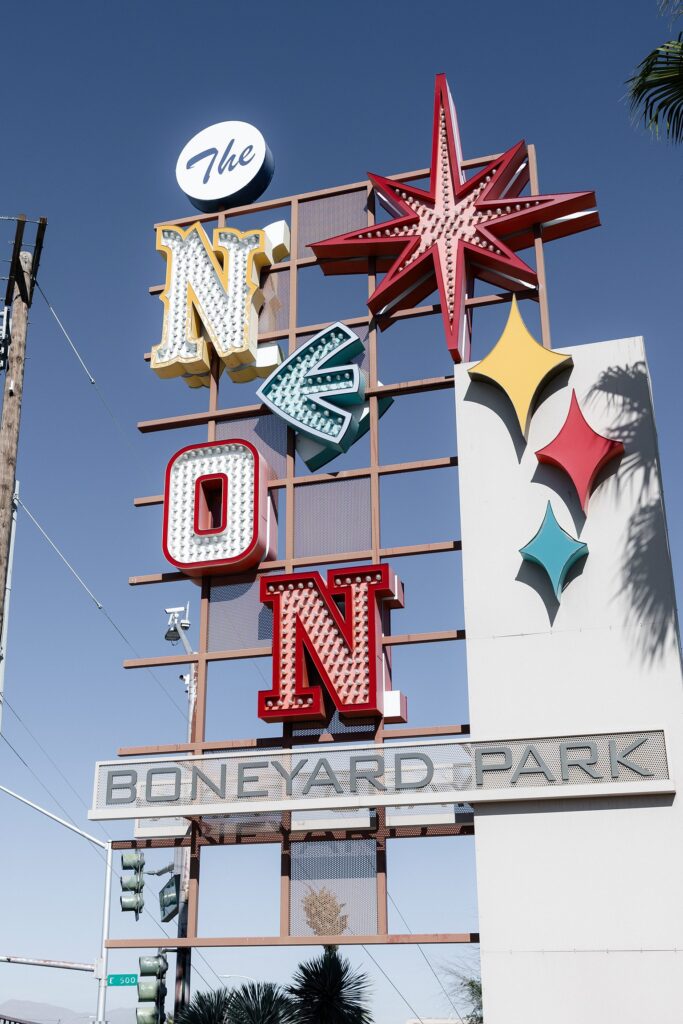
259	1003
464	983
254	1003
656	89
327	990
205	1008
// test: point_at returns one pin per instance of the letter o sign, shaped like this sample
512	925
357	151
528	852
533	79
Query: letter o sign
218	516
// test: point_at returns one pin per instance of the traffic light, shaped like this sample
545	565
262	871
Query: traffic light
151	989
169	899
132	885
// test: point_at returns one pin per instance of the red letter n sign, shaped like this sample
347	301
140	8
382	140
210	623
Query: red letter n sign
328	636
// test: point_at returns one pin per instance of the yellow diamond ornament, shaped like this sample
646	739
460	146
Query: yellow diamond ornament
519	366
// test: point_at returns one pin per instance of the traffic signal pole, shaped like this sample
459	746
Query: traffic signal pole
104	952
184	956
100	967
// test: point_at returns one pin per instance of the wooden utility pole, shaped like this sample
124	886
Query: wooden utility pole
11	413
20	285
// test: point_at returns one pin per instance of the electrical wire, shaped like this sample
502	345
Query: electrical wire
379	967
426	959
89	375
145	910
6	704
420	948
102	856
100	607
104	611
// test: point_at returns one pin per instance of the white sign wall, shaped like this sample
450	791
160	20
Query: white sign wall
580	903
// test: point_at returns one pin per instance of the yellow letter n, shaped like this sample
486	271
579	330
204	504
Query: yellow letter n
212	298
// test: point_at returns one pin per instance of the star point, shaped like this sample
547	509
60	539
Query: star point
555	550
520	366
459	229
580	451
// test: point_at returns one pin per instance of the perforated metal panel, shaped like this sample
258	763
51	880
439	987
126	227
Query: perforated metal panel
323	218
333	888
332	517
233	826
372	775
274	315
237	619
650	756
336	727
267	433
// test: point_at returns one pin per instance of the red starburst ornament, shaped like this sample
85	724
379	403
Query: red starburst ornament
459	230
580	451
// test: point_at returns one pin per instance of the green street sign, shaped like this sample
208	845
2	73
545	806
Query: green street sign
114	980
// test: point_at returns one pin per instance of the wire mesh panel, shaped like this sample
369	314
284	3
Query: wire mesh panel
362	774
333	888
332	517
336	727
267	433
274	315
235	826
237	619
323	218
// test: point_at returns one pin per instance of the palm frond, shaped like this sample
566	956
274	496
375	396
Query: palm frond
206	1008
259	1003
327	990
656	90
674	8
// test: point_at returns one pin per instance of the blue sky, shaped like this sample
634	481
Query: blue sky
99	100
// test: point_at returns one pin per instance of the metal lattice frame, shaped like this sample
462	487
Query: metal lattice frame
287	486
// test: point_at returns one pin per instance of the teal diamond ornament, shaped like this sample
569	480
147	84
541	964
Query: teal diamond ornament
554	550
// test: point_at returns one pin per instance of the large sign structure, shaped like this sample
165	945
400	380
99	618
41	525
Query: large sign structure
573	668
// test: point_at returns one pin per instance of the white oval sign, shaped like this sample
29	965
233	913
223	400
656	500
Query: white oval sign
226	164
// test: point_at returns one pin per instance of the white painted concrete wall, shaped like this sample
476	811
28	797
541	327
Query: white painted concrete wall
580	903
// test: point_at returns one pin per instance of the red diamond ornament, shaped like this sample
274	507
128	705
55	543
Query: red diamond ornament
580	451
460	229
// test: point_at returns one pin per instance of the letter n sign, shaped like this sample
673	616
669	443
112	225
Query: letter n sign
343	647
218	517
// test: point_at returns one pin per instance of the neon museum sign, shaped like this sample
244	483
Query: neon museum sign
219	520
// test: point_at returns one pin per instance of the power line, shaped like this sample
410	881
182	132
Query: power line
380	968
100	607
6	703
421	950
426	959
101	855
89	375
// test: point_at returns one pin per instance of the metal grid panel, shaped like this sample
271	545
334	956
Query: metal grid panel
312	217
332	517
274	315
237	619
267	433
323	218
333	888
